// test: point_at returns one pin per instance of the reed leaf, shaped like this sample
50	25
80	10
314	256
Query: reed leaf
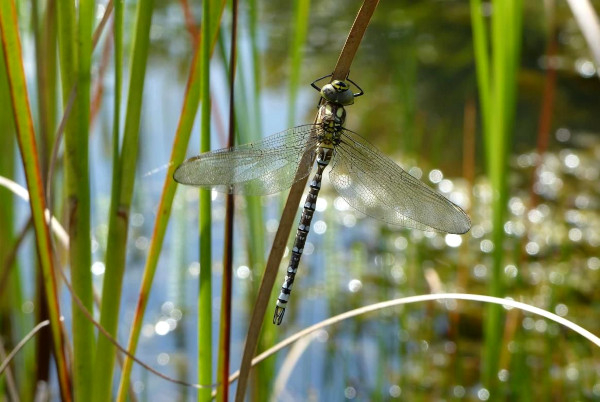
226	288
9	281
122	192
75	71
301	14
13	61
253	132
288	215
45	54
496	72
205	221
255	216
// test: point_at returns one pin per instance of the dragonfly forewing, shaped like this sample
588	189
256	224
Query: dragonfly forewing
263	167
375	185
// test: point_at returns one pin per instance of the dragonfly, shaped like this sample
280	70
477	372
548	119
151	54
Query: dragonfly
364	177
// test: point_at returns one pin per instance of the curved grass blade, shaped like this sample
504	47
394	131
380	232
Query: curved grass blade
419	299
589	23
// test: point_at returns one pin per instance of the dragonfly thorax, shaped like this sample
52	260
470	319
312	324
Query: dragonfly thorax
331	117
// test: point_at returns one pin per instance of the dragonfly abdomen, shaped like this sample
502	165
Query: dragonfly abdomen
323	157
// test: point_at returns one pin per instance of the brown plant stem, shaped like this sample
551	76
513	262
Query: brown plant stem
225	336
291	206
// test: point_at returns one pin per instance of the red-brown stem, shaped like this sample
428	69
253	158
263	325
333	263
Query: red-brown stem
291	206
225	337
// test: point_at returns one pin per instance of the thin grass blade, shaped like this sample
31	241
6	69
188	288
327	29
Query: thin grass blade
496	74
13	60
122	193
341	70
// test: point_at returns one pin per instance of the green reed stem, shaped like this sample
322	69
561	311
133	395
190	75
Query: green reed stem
13	61
205	293
256	231
256	67
75	70
122	192
8	293
118	83
497	87
301	13
45	40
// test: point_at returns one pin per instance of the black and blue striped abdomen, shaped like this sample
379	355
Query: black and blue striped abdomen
323	157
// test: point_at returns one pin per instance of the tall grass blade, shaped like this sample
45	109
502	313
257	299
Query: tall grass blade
78	188
44	29
482	60
262	381
8	294
301	13
13	61
75	70
45	54
122	192
253	132
226	296
118	72
288	215
256	65
205	221
184	129
497	87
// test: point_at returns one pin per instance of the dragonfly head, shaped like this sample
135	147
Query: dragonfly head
338	92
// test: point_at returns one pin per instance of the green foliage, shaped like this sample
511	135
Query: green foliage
27	145
121	195
496	77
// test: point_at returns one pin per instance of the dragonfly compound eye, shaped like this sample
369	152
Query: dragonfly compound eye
338	92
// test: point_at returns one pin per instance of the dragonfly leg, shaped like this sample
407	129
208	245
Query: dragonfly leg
314	83
361	92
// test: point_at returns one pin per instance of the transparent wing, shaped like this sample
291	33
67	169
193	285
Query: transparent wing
376	186
263	167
